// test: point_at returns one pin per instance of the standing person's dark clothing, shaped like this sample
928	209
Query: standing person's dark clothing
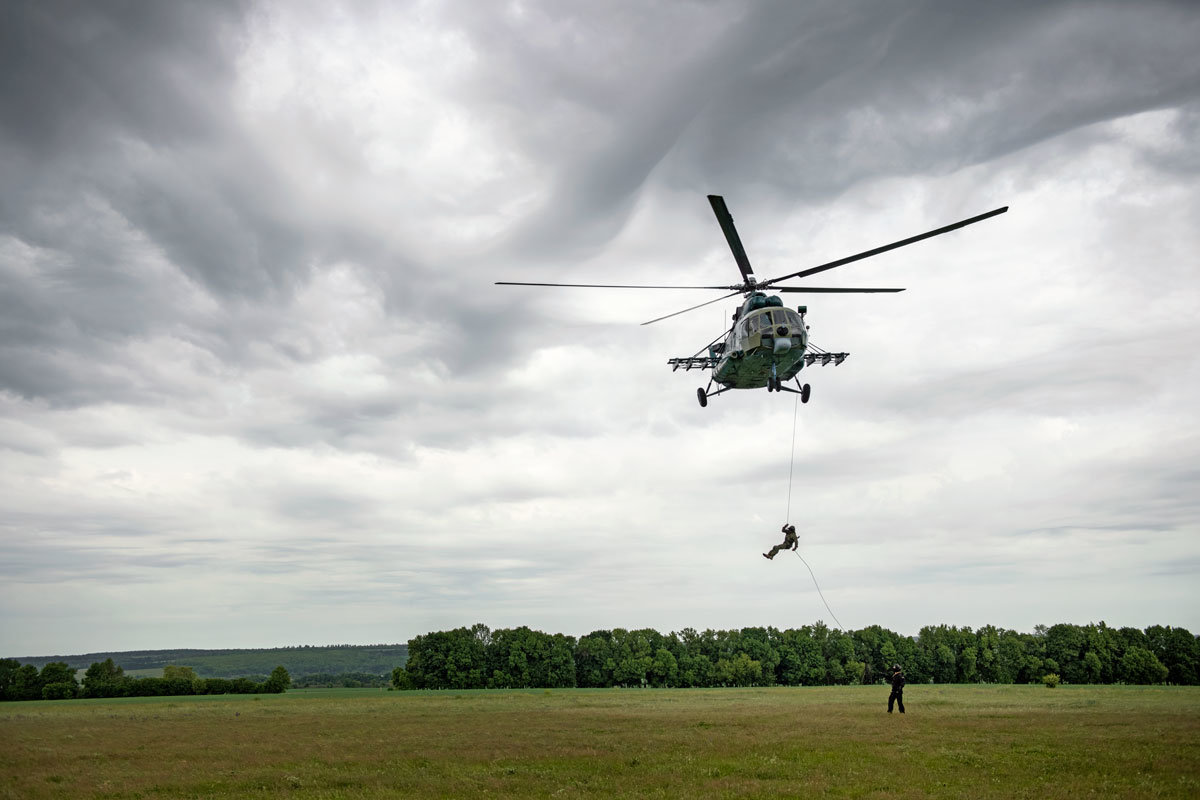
897	695
790	541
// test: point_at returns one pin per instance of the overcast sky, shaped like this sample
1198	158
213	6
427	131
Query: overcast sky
257	387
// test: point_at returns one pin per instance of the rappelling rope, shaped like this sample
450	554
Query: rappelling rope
792	461
791	469
814	577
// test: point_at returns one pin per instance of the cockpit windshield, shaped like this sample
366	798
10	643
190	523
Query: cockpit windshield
767	320
785	316
774	318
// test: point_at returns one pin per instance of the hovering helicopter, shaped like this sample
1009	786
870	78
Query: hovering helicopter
767	344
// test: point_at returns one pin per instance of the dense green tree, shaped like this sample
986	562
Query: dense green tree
1177	649
58	672
104	679
26	683
633	657
58	681
1139	665
594	663
1065	646
759	645
560	662
1101	642
59	690
988	649
741	670
518	658
801	660
664	669
888	657
8	669
968	666
243	686
1126	638
869	644
144	687
278	682
945	664
1010	657
174	673
456	659
402	679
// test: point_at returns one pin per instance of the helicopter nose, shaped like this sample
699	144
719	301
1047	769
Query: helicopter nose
782	344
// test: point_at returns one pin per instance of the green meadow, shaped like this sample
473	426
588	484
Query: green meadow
955	741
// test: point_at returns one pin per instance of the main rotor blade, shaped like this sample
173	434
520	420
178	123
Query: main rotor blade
693	308
886	247
610	285
826	290
725	219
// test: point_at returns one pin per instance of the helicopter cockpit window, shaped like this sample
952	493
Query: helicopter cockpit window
785	316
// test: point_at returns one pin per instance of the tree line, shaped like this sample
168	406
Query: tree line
376	659
477	657
56	681
343	680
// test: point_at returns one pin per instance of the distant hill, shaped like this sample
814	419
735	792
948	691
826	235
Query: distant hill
375	659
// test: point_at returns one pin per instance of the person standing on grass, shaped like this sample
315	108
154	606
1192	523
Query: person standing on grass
897	682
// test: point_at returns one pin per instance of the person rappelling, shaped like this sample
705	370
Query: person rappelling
790	541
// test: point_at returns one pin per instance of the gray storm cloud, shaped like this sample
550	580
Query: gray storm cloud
247	315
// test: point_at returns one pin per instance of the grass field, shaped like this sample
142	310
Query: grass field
955	741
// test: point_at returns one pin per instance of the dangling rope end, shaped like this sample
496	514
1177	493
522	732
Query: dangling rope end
823	600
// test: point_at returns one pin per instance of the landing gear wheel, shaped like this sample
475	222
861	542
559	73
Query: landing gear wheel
702	397
805	391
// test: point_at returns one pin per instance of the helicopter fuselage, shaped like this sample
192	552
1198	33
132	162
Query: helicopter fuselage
768	340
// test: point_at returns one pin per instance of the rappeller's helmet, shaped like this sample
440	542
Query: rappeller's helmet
895	667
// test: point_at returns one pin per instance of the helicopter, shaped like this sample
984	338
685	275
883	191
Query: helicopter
767	343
